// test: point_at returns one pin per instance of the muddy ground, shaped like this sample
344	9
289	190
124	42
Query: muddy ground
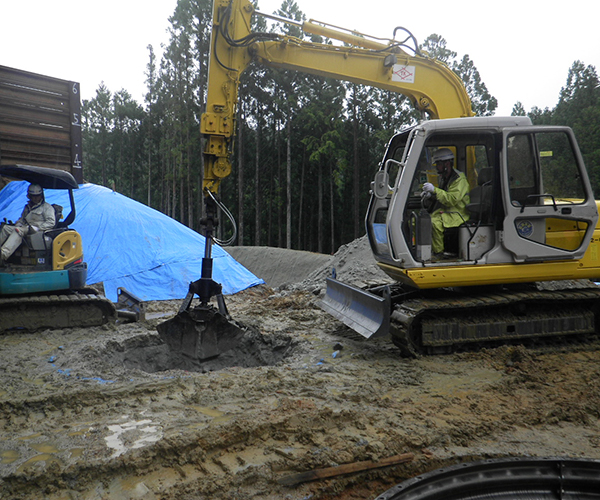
103	413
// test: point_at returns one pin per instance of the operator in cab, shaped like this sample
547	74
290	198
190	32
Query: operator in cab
36	216
448	202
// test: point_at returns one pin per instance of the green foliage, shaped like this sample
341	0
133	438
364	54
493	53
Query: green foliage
578	107
518	110
482	102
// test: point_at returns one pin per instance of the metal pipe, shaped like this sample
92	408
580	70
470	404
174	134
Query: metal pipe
279	19
330	31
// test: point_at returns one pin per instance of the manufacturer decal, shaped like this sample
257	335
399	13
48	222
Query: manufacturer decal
525	228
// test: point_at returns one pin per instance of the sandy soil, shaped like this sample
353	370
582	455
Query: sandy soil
100	413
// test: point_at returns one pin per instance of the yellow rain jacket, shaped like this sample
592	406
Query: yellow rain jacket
450	209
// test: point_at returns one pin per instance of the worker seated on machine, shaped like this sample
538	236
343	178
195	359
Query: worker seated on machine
37	216
447	203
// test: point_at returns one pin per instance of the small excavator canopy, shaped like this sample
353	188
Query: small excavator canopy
48	178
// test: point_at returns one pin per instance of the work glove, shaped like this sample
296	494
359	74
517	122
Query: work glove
428	187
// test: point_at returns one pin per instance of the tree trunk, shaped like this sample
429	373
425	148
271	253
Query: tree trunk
320	212
241	186
174	189
331	208
301	202
288	225
181	191
190	192
149	176
269	194
279	195
257	188
355	185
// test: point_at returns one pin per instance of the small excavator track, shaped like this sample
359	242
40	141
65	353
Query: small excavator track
453	321
32	313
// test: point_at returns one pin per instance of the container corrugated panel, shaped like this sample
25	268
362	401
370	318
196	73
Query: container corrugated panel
40	121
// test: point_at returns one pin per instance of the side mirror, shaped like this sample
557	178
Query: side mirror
381	184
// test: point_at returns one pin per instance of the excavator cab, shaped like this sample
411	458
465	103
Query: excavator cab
530	199
474	155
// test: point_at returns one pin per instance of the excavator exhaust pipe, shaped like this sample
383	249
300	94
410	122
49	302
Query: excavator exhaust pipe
364	312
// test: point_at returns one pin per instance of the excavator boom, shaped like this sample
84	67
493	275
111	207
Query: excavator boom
431	86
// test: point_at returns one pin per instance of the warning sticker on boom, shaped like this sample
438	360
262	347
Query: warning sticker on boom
401	73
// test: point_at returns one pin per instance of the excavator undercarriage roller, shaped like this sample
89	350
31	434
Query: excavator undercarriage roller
444	324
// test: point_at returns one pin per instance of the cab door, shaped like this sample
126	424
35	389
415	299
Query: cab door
550	211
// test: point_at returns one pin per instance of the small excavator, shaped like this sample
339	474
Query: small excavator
532	217
43	284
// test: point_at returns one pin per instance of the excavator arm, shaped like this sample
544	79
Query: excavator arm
431	86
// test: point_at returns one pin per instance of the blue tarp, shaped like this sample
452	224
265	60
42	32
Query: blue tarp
127	244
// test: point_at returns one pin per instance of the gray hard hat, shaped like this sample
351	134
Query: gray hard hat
442	154
34	190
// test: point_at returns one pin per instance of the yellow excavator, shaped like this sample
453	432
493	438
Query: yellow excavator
530	217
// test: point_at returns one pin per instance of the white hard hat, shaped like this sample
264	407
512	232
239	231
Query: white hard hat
443	154
34	190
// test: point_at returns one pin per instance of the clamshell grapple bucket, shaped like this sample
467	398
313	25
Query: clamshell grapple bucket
200	333
204	331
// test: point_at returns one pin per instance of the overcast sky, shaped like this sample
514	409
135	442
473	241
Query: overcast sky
522	49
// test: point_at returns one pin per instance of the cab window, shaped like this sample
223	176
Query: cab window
542	169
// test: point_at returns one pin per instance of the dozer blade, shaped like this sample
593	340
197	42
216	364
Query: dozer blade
364	312
200	333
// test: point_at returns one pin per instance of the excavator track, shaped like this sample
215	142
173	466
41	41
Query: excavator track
453	321
32	313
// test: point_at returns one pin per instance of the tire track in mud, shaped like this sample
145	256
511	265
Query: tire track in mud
109	431
235	441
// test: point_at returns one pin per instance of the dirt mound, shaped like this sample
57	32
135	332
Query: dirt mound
353	263
294	270
278	266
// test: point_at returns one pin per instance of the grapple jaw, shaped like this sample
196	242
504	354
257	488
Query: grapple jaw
200	333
